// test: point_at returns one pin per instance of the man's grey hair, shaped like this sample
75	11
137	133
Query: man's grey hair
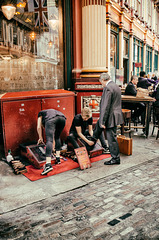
104	77
133	77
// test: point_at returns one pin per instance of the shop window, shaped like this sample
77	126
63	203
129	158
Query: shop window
156	62
113	50
148	59
138	56
34	42
113	55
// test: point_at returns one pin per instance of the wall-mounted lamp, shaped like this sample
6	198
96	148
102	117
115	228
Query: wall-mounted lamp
32	36
21	4
50	43
17	13
8	11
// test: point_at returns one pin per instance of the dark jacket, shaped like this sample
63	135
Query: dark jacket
110	106
143	83
130	89
156	95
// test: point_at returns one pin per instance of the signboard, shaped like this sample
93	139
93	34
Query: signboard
138	65
82	157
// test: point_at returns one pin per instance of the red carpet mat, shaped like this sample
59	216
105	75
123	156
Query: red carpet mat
34	174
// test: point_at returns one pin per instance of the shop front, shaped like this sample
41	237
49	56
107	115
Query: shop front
31	47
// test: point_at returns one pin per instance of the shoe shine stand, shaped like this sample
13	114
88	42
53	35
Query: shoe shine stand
35	154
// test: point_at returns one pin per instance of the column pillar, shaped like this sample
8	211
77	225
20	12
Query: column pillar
144	50
77	37
108	32
131	51
131	46
121	38
144	56
93	35
153	55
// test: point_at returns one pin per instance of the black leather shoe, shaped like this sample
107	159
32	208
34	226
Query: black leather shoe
112	162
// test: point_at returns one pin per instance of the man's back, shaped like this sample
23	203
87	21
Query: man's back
110	107
143	83
130	89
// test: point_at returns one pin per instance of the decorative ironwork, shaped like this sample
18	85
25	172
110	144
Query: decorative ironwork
88	86
92	102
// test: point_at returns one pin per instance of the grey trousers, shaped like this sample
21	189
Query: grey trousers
111	134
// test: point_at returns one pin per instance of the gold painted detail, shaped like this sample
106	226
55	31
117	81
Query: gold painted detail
88	86
114	28
126	35
90	76
94	70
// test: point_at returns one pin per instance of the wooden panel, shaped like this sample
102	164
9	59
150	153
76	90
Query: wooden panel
19	123
64	105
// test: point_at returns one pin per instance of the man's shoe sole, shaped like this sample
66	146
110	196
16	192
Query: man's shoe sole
43	173
111	163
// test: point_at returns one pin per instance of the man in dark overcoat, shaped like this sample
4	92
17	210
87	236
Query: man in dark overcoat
110	116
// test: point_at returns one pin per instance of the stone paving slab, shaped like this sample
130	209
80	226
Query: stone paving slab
23	191
122	206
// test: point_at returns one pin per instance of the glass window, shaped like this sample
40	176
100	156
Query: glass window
113	56
125	47
31	41
156	61
149	13
113	50
149	59
138	56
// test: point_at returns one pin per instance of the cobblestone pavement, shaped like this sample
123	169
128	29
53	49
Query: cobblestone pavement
123	206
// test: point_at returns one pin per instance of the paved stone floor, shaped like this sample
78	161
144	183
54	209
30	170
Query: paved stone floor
104	202
124	206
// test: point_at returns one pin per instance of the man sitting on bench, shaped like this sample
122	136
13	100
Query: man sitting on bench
82	128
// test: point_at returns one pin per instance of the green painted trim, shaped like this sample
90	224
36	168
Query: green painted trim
68	43
128	61
117	63
156	61
142	55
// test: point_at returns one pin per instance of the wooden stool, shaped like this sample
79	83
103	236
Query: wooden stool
127	122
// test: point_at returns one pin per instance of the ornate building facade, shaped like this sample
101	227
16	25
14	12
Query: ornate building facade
67	44
121	37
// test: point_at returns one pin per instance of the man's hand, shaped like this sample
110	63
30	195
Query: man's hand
40	141
90	143
102	126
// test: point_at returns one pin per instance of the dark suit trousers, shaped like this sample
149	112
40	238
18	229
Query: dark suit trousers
111	137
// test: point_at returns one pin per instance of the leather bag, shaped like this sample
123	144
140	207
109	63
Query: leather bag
125	144
141	92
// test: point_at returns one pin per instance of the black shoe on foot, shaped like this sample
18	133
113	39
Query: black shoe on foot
58	160
112	162
106	150
47	168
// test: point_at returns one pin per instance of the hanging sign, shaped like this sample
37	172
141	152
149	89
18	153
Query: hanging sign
138	64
